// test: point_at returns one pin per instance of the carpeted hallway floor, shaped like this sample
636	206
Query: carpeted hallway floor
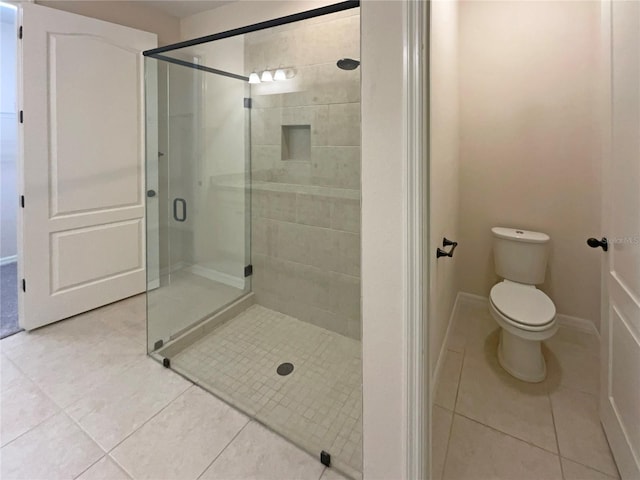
9	300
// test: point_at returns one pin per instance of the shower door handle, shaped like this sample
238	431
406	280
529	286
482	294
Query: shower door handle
183	215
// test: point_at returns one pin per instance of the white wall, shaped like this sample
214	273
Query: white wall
443	185
383	241
9	134
134	14
529	151
242	13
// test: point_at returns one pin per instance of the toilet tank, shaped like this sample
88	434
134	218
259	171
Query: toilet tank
520	255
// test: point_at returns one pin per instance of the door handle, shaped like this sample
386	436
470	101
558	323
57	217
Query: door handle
595	243
446	243
182	202
151	193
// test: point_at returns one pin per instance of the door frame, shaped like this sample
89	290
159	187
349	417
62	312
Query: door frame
394	270
416	109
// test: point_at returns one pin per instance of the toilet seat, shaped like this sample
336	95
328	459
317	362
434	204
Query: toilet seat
524	306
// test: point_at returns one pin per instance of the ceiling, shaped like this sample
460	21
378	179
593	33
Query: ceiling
184	8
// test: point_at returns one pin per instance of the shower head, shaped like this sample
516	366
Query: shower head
348	64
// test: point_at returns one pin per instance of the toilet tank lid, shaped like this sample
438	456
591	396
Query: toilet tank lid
520	235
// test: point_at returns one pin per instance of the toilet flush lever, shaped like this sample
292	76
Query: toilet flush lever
446	243
595	243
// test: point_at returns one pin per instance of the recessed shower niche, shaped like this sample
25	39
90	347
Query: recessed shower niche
296	142
264	268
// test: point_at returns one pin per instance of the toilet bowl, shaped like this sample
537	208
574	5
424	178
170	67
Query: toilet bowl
527	316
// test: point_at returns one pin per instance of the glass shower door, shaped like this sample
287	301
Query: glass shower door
287	352
200	198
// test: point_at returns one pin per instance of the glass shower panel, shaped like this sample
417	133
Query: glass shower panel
305	141
200	198
266	175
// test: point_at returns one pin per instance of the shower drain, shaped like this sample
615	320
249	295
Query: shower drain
285	369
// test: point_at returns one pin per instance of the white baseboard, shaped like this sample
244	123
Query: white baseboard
8	260
217	276
564	320
472	298
577	323
172	268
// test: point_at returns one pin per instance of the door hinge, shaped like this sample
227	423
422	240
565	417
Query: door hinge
20	32
22	201
247	102
24	285
21	116
248	271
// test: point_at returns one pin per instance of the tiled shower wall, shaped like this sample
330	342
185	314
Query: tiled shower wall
306	208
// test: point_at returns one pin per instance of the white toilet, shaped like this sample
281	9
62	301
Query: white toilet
525	314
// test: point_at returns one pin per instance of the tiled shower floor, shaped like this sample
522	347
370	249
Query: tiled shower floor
318	406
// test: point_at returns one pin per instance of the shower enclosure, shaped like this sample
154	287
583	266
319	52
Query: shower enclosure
253	223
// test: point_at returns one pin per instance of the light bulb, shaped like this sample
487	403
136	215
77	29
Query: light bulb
254	78
279	75
266	76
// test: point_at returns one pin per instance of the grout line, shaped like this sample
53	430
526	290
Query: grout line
557	454
33	428
95	440
221	394
63	410
225	447
455	402
446	450
574	389
297	224
115	460
60	408
453	416
555	432
44	394
590	467
151	418
89	467
548	394
138	429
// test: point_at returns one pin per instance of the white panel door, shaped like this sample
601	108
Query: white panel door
83	228
620	392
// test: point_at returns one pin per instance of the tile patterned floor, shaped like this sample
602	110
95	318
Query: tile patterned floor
80	399
318	406
487	424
